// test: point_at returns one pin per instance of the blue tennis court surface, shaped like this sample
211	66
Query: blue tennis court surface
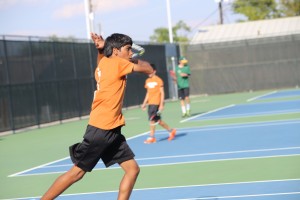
280	94
256	109
277	95
205	144
251	109
257	140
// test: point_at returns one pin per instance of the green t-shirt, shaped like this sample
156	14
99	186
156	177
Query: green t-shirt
183	82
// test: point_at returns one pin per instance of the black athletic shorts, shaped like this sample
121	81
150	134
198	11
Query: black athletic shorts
183	92
108	145
152	113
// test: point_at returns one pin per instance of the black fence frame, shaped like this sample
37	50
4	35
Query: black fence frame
44	81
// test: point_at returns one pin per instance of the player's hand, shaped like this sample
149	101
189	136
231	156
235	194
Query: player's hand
160	108
98	40
143	106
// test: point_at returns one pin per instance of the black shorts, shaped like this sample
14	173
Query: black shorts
183	92
108	145
152	113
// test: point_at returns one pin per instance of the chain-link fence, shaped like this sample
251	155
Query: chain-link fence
245	65
44	81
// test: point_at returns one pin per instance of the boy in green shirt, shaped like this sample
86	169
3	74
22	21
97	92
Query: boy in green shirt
183	73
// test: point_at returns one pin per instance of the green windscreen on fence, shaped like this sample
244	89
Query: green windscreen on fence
46	81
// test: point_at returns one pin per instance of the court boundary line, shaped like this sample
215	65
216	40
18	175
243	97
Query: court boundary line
176	163
33	168
254	98
200	154
49	163
212	127
212	111
256	114
179	186
241	196
238	124
247	115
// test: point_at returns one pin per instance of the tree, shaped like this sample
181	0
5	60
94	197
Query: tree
160	35
179	33
55	38
256	9
289	8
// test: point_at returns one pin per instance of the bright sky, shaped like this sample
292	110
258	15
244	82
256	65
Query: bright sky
136	18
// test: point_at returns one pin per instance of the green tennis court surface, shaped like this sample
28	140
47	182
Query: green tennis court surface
244	146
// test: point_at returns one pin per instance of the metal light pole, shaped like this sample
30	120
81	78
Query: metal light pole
169	22
175	95
89	16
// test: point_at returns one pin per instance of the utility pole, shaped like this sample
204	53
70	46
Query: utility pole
221	11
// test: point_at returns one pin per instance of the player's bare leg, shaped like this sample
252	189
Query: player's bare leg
164	125
132	171
183	108
171	131
152	128
188	106
63	182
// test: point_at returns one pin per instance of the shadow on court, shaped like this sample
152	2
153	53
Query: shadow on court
198	113
176	138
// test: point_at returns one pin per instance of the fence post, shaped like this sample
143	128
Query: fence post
11	108
36	107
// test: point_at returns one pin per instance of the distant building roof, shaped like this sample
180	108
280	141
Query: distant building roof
247	30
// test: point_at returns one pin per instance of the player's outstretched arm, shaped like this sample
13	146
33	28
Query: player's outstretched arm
142	66
99	44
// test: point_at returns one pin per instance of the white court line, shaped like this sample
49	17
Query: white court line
212	111
177	163
200	154
257	97
243	125
41	166
236	125
240	196
219	153
254	114
218	127
171	187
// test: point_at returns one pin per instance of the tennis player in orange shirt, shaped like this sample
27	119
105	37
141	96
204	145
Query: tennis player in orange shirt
103	138
155	97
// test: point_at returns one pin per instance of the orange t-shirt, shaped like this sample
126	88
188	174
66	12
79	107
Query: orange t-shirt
110	76
153	86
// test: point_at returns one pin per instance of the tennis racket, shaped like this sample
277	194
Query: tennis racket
137	50
158	113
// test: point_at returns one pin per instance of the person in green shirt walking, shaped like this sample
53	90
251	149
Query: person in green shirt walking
183	73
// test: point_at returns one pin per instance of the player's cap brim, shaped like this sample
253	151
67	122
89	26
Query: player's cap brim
183	59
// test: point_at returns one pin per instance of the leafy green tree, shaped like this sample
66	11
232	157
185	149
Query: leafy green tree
256	9
289	8
160	35
180	31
